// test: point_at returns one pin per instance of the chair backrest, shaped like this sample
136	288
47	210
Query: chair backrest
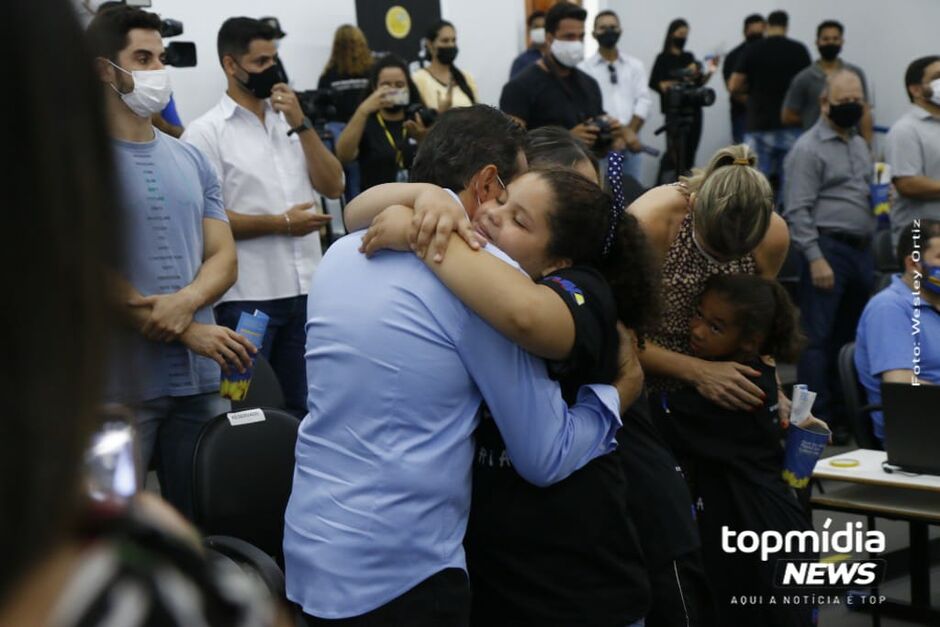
242	475
854	396
264	391
885	258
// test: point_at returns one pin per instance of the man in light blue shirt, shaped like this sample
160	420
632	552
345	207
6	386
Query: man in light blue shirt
397	368
898	338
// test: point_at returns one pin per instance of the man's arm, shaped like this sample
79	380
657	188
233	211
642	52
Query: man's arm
737	84
546	440
794	102
323	168
917	187
866	126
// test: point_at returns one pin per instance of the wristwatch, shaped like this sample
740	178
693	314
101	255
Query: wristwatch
306	125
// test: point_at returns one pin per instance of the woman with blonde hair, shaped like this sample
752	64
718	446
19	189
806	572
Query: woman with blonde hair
347	71
720	220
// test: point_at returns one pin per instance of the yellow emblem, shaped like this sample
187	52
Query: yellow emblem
398	22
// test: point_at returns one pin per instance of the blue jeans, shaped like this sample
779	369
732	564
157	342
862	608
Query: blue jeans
829	319
171	424
771	148
283	344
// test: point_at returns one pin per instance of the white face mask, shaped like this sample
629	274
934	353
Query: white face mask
568	53
151	91
537	36
400	97
935	91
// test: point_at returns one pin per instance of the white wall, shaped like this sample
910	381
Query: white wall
488	31
882	37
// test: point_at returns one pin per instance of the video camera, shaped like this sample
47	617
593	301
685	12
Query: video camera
178	53
685	96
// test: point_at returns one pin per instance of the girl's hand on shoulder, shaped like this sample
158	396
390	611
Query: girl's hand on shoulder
437	214
388	231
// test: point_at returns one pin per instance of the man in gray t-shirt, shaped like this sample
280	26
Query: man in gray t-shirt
913	148
178	258
801	103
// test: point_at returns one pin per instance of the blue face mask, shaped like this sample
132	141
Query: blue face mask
931	280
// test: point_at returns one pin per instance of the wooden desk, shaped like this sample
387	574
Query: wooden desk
895	495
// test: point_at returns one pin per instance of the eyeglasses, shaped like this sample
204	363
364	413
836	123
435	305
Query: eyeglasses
613	73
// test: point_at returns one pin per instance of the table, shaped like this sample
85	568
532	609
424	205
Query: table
896	495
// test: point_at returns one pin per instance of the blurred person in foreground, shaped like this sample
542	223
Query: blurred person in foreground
67	563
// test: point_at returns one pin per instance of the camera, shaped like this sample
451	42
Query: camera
428	116
605	136
685	96
320	106
178	53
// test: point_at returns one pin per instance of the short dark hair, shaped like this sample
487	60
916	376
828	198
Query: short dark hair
915	72
754	18
107	32
563	11
462	142
778	18
534	16
237	33
927	229
829	24
605	13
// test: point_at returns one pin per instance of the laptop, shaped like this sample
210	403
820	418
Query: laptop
912	426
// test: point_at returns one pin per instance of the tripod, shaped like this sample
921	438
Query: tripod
678	127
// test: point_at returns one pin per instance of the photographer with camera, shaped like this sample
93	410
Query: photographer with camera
622	79
272	165
676	71
380	133
554	92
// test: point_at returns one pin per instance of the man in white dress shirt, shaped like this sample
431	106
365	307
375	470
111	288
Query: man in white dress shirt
623	83
271	165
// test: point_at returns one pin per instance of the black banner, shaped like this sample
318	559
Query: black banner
397	26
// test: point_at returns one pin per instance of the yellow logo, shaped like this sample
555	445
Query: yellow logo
398	22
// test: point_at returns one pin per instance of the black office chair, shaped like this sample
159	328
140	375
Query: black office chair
249	558
882	280
242	477
854	396
885	259
264	391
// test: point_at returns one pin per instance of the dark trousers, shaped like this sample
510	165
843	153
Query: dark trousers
668	172
441	600
738	126
830	318
681	595
284	342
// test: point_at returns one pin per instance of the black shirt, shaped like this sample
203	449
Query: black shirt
728	68
566	554
663	70
350	92
770	65
541	98
377	157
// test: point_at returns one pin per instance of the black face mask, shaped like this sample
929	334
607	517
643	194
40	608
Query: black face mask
754	37
261	83
679	42
447	55
830	51
607	38
846	115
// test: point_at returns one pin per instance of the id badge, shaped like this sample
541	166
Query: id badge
401	176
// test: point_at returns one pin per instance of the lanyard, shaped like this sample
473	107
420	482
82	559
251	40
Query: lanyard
399	158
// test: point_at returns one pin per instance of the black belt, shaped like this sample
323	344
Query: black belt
858	242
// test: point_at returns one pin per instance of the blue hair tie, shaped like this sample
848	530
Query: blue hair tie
615	180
